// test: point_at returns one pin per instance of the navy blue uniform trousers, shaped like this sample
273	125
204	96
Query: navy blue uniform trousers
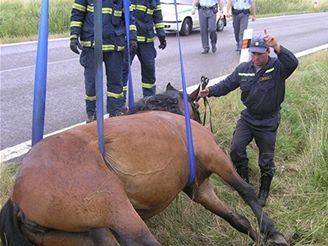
113	66
264	131
146	54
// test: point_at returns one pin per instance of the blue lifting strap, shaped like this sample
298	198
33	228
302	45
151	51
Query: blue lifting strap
126	4
191	154
99	73
40	82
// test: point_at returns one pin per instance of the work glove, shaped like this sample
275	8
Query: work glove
133	46
162	42
75	45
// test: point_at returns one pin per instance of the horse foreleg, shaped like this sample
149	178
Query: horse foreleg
224	168
205	195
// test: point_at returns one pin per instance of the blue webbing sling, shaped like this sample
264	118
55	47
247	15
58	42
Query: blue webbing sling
126	4
98	26
191	154
40	82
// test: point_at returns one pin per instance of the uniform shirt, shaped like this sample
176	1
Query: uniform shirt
207	3
262	92
241	4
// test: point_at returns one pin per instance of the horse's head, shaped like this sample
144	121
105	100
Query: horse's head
193	105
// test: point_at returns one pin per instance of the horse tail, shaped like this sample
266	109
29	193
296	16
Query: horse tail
10	233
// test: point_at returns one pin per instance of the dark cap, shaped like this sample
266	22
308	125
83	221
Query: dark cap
258	45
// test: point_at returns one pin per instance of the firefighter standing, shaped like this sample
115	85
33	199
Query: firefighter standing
148	14
262	85
114	39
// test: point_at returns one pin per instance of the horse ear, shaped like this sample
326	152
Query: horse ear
194	95
170	87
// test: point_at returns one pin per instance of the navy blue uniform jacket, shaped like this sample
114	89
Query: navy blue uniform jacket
262	92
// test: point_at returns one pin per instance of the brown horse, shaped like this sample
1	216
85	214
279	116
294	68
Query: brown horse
65	194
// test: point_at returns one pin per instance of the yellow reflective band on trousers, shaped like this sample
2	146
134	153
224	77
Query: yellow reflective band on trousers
158	7
159	25
91	99
143	39
76	23
125	88
147	85
150	11
114	95
133	28
79	7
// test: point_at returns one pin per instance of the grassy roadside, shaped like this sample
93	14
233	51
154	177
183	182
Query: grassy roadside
19	19
298	202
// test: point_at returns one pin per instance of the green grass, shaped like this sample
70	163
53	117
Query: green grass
19	19
298	202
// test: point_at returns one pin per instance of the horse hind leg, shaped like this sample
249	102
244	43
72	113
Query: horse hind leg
205	195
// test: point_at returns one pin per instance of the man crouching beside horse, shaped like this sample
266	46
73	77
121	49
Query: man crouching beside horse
66	193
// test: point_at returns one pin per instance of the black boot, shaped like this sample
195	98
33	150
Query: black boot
92	116
264	190
243	173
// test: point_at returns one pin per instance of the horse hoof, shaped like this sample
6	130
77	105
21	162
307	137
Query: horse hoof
277	239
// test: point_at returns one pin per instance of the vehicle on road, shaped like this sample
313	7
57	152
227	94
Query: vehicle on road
187	21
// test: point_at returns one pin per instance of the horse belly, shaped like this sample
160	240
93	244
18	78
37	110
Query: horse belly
153	171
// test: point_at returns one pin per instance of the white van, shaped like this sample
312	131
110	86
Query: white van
187	21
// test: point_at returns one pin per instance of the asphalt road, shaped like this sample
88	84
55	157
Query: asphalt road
65	86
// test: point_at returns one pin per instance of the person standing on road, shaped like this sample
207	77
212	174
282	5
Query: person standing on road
241	9
207	10
262	85
148	16
114	40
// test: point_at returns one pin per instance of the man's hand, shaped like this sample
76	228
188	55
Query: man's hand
162	42
75	45
203	92
253	17
133	46
271	41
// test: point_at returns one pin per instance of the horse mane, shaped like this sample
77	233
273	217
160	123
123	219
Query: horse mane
166	101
